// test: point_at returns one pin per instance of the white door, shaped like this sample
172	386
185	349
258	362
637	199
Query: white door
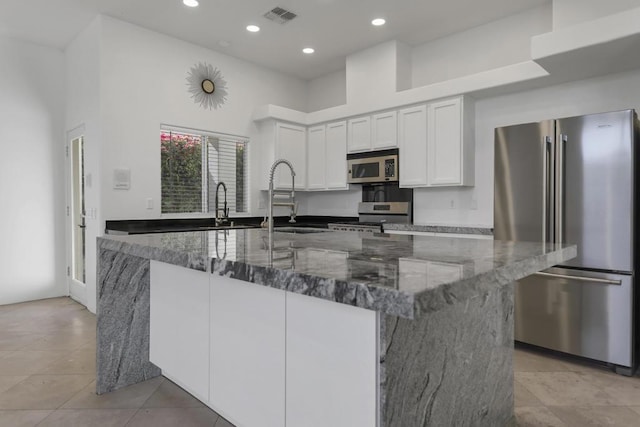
76	224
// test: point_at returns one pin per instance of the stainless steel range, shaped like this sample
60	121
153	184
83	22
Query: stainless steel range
381	203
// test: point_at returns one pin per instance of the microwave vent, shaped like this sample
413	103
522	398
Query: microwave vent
280	15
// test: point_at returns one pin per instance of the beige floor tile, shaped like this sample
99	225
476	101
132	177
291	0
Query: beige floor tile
27	362
530	361
635	409
43	391
8	381
22	418
88	417
536	417
171	417
11	340
563	389
133	396
223	423
599	416
626	390
65	340
169	395
523	397
77	362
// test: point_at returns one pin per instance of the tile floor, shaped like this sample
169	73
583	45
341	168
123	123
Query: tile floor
47	378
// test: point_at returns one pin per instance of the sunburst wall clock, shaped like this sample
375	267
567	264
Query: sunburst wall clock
207	86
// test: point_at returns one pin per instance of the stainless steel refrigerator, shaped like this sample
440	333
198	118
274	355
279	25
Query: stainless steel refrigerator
574	180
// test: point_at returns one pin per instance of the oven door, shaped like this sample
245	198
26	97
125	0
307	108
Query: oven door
373	169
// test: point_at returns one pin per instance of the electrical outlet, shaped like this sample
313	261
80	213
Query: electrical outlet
452	204
149	203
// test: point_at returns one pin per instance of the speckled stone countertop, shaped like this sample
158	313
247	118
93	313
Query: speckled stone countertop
440	228
401	275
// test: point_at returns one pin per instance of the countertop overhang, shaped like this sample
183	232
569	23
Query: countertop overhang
399	275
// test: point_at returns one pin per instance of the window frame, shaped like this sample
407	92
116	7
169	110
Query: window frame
205	195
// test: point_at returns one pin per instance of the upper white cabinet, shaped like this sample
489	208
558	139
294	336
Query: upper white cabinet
290	144
436	144
384	130
450	144
412	135
327	157
359	134
316	157
336	156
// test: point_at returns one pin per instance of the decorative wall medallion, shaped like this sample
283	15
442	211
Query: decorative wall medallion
207	86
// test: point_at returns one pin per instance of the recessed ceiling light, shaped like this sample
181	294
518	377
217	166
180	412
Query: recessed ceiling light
190	3
378	21
308	50
253	28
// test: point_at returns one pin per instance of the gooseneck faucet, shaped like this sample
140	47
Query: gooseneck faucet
291	194
225	211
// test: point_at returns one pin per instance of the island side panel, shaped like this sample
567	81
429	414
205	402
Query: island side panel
123	321
450	367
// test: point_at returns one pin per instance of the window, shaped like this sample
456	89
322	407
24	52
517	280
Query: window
192	165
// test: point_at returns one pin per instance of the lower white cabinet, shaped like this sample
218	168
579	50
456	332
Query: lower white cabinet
332	366
179	326
263	357
247	352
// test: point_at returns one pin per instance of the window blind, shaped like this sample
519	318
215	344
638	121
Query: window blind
193	163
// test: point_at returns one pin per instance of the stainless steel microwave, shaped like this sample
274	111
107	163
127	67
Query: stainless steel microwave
374	166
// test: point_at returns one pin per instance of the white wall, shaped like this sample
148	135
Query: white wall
143	77
327	91
609	93
32	254
570	12
83	112
496	44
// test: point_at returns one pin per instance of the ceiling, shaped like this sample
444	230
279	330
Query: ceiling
335	28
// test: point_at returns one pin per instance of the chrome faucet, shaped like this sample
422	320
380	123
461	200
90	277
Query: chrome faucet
225	210
292	195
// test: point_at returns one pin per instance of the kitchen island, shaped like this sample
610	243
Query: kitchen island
346	329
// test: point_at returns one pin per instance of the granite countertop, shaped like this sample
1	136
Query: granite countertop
401	275
441	228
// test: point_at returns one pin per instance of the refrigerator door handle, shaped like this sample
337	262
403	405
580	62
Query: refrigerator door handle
580	278
562	139
547	148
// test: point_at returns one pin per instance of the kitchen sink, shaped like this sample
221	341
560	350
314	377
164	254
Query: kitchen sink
301	230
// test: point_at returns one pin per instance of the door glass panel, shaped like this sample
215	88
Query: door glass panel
78	214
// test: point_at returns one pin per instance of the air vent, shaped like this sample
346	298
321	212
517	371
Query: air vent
280	15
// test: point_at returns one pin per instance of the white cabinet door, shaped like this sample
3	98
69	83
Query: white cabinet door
179	326
412	134
445	142
291	145
384	130
359	134
248	352
336	156
332	364
316	158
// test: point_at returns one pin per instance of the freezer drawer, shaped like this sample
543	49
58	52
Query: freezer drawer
578	312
